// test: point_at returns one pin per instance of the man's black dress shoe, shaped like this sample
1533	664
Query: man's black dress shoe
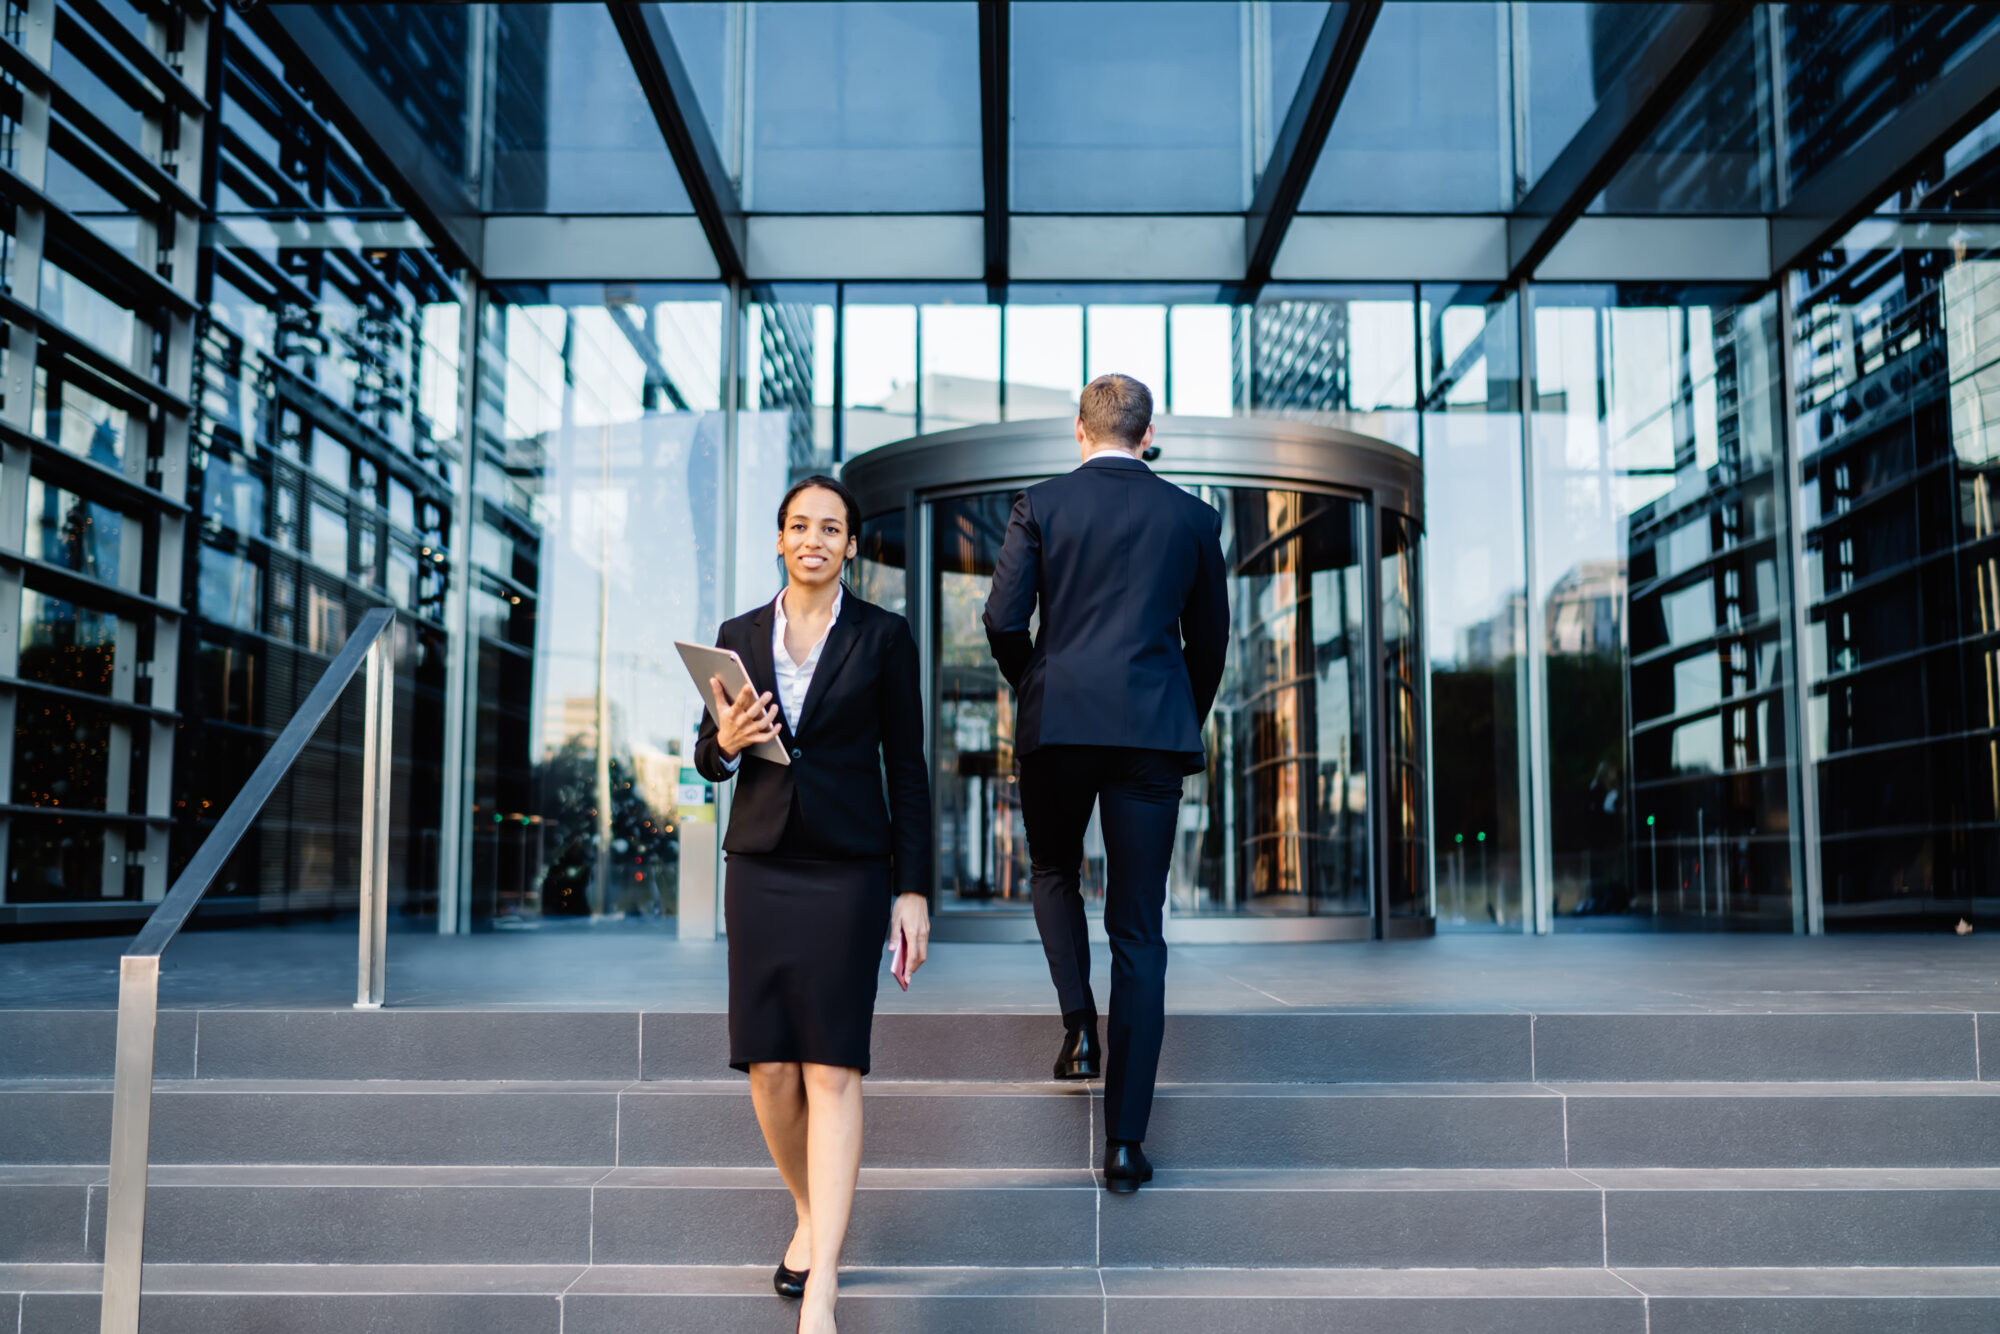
1080	1054
1125	1167
789	1282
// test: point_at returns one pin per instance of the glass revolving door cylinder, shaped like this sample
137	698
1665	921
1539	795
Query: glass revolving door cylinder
1311	816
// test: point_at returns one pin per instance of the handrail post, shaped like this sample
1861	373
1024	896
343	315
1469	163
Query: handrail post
131	1134
378	728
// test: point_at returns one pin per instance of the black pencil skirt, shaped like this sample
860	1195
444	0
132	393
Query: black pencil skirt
805	951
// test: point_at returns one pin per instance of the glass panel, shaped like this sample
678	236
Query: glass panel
1426	124
961	360
1128	340
75	534
617	549
865	108
788	377
1713	152
1278	822
1849	68
1343	357
1475	612
419	57
1685	815
1128	107
1897	383
65	645
880	573
1571	55
1044	361
709	34
879	376
982	845
1407	856
571	129
1200	342
66	861
1283	806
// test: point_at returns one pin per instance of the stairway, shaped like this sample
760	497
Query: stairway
588	1172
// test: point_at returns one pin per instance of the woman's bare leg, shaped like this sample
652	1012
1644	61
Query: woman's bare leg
833	1163
778	1092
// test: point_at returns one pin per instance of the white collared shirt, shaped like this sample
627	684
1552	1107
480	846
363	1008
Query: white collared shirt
1110	451
794	679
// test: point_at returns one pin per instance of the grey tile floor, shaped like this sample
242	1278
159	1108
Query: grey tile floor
626	967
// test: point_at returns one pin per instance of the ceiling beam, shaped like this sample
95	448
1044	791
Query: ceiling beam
1628	111
670	92
1848	188
1295	153
995	97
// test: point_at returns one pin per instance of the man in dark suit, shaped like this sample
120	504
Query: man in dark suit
1110	699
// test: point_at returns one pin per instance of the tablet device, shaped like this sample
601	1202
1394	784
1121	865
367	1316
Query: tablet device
704	661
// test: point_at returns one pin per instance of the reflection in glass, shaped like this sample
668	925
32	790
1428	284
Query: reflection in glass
1475	617
1424	126
1406	803
1341	356
1283	807
1897	427
1713	152
867	107
1573	56
570	129
75	534
419	57
880	569
612	551
1659	541
1849	68
1278	823
788	344
1128	108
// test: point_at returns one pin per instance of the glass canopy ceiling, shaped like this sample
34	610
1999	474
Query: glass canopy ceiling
1162	139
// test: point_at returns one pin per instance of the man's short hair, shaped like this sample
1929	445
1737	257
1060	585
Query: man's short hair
1115	408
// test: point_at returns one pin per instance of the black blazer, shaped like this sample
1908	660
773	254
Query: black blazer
1127	568
863	717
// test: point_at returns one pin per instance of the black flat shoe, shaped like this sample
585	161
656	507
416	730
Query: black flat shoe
1080	1054
790	1282
1125	1167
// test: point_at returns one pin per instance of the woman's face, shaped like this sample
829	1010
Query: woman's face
814	540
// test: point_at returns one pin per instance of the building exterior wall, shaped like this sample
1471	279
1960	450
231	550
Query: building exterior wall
1712	608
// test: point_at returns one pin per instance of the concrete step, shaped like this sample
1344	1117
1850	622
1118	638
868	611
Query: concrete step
1529	1218
297	1299
1293	1045
710	1123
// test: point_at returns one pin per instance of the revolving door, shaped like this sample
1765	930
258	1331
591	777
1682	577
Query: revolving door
1311	819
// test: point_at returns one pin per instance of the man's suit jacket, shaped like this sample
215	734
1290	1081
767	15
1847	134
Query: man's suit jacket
1127	569
863	717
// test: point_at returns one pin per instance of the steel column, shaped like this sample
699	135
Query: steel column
131	1142
377	758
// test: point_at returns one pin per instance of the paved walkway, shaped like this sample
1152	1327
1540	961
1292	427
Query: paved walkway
633	967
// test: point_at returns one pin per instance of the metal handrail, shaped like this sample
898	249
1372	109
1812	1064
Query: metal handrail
139	969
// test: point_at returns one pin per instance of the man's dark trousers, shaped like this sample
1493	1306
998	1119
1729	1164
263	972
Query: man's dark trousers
1138	794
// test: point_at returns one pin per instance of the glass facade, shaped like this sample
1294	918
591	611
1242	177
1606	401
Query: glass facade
1700	629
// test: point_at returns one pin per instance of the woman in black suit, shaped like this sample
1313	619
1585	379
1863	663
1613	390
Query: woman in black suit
815	858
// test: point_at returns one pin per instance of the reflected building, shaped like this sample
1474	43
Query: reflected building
323	308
